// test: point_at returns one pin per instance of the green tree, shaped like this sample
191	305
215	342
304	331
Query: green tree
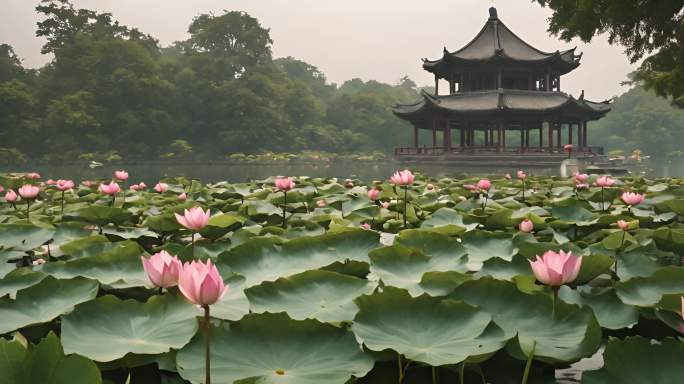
650	28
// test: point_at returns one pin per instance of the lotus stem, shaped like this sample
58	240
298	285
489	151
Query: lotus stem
555	301
405	204
401	369
207	344
192	245
62	211
28	208
434	375
603	201
124	196
528	365
113	199
523	191
284	209
484	204
617	254
461	372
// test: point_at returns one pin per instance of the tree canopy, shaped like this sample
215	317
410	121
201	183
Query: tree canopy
653	29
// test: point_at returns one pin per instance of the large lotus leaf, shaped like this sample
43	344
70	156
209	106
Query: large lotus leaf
67	233
119	267
274	349
403	267
163	223
432	330
482	246
19	279
321	295
574	213
448	221
637	360
641	262
234	304
261	259
568	335
45	301
443	249
442	283
108	328
610	312
100	215
126	233
260	207
669	239
676	205
23	236
221	224
44	363
592	267
505	270
647	291
5	265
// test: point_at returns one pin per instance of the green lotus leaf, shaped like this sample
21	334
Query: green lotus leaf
669	239
637	360
45	301
618	240
261	259
574	213
443	249
65	234
442	283
126	233
676	206
403	267
221	224
505	270
99	215
568	335
274	349
23	236
5	265
448	221
321	295
431	330
44	363
260	207
592	267
482	246
108	328
85	247
234	304
641	262
647	291
19	279
162	223
610	312
119	267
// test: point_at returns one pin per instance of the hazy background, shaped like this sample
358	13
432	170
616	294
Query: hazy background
379	39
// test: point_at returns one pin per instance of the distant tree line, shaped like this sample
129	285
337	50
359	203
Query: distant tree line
113	90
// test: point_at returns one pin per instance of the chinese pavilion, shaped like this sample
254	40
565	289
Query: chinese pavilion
498	85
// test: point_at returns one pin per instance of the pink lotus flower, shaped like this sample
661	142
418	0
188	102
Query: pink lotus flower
580	177
11	196
201	283
183	196
471	188
605	181
484	184
373	194
38	262
385	204
521	175
32	175
366	226
526	226
581	186
631	198
284	184
110	189
2	189
160	187
134	187
321	204
430	187
121	175
65	185
142	185
50	182
507	176
568	147
556	269
402	178
162	269
194	219
623	225
348	183
89	183
28	191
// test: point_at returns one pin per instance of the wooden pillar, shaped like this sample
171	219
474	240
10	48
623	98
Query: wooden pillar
498	136
580	143
570	133
436	85
584	135
527	136
547	86
559	129
541	136
499	79
434	136
530	82
415	136
550	127
447	135
503	137
558	82
462	131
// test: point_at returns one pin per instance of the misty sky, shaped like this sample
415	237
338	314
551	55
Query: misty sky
369	39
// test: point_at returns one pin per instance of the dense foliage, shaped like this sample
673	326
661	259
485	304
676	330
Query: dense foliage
451	298
113	90
652	28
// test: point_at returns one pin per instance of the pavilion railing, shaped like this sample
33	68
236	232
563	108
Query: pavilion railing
481	149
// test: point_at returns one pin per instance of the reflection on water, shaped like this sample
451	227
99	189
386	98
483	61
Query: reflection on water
151	172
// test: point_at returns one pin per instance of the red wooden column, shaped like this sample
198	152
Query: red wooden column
447	135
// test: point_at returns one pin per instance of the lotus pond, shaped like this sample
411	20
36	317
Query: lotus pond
425	284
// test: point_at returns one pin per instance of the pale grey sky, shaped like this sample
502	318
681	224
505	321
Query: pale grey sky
369	39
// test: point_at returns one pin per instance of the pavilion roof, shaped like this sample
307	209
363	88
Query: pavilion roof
496	41
504	100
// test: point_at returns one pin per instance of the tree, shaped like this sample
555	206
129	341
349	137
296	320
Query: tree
647	27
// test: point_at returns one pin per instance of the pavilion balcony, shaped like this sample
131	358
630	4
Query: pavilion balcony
427	152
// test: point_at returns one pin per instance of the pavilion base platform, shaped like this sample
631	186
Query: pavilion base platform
508	157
